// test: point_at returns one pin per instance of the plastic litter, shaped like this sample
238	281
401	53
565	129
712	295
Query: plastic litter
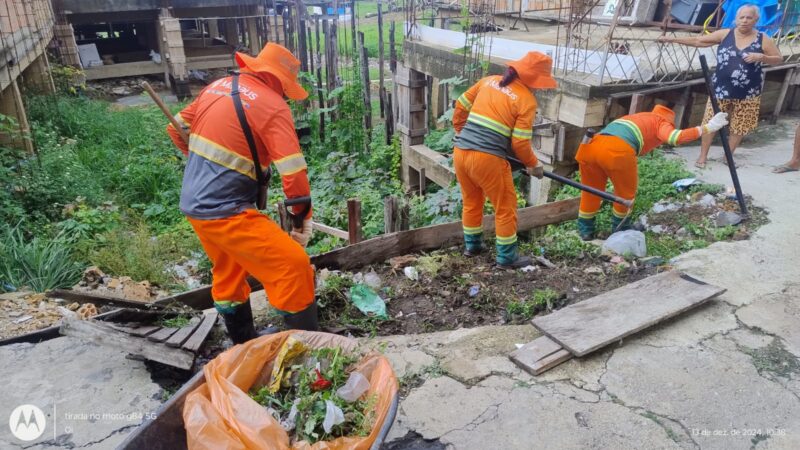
333	416
473	291
355	387
684	183
411	273
528	269
372	280
367	301
627	242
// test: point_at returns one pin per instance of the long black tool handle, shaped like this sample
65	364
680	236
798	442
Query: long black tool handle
723	135
602	194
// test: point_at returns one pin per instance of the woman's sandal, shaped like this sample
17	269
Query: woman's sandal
700	165
783	168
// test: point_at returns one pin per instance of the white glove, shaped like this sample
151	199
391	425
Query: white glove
302	235
716	123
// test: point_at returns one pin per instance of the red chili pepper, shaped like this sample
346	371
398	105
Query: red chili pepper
321	383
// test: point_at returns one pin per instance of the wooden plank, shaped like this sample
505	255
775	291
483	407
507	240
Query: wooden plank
99	334
341	234
201	333
383	247
539	355
592	324
180	336
45	334
97	299
145	331
162	334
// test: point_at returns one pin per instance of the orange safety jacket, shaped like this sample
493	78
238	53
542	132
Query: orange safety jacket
496	120
645	131
220	180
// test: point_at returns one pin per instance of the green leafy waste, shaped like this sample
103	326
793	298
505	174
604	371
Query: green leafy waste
335	367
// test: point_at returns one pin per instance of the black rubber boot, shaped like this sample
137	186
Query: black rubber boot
240	323
304	320
520	262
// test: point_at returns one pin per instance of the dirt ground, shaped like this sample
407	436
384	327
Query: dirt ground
454	291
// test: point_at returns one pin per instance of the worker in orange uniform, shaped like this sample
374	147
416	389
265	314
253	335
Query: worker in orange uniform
493	120
612	153
219	190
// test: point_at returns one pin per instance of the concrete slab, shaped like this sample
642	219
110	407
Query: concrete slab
713	389
92	396
776	314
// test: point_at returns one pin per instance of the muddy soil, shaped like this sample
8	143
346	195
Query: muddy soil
454	291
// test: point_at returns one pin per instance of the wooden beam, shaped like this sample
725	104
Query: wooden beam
781	96
381	248
97	299
422	157
335	232
354	234
91	331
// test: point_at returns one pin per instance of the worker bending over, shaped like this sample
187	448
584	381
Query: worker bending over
220	188
612	153
493	120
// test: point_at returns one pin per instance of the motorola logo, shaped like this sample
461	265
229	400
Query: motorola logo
27	422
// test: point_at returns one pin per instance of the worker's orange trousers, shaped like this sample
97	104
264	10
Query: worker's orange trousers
482	175
251	243
602	158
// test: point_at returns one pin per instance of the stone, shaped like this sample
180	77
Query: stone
644	221
627	242
658	229
661	207
707	201
725	218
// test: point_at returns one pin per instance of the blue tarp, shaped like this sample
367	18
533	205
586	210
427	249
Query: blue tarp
769	22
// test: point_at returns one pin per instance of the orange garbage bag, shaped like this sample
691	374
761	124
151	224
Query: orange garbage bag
220	414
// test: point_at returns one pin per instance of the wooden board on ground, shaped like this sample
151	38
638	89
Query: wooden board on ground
592	324
100	334
100	300
182	335
201	333
539	355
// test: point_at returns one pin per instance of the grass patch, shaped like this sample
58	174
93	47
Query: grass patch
38	263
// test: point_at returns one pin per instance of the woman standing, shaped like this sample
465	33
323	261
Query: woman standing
739	74
494	120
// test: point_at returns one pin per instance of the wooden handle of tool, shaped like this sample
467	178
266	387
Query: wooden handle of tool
165	110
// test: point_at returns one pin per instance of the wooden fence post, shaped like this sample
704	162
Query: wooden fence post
354	220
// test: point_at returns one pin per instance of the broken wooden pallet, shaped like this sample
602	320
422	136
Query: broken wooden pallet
139	334
584	327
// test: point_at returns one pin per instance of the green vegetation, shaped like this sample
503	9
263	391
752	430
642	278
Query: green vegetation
178	321
540	300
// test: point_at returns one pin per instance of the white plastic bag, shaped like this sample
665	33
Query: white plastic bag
355	387
333	416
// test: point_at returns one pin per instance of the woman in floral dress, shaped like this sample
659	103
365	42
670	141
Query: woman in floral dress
739	76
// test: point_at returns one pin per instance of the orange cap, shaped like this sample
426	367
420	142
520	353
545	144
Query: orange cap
664	112
280	62
534	70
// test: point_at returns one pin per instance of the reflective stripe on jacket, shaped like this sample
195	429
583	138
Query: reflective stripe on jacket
645	131
219	180
496	119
